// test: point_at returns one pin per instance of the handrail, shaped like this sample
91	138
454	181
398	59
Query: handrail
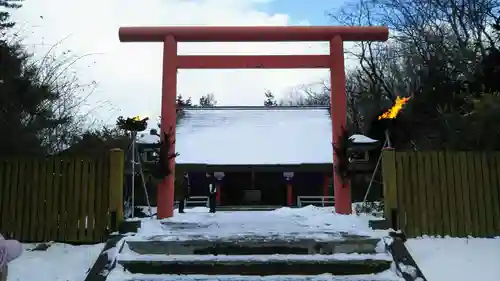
323	201
196	200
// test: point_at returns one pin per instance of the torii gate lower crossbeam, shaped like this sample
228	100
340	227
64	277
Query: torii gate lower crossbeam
170	36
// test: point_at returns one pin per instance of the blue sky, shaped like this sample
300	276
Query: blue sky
311	10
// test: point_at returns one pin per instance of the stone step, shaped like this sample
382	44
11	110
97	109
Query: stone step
338	264
346	245
389	276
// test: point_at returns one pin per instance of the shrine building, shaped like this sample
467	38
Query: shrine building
272	156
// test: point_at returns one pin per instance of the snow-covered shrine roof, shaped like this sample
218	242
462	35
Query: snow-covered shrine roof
253	136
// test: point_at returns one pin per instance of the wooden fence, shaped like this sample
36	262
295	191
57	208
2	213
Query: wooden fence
443	193
74	199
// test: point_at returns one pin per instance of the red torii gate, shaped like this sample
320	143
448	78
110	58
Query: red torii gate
334	61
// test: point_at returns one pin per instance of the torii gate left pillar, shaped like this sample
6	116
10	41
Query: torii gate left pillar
170	36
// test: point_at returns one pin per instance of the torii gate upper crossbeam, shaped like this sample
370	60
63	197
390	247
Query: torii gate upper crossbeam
252	33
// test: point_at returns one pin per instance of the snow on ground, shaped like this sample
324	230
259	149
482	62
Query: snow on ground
361	139
287	223
439	258
457	259
60	262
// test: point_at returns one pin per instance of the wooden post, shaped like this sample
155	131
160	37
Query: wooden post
116	170
390	186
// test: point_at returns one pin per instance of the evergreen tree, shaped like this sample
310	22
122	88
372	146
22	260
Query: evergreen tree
5	5
208	100
181	104
270	99
30	116
25	111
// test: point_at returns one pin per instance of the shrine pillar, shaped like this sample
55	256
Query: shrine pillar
326	185
219	176
165	191
338	108
289	188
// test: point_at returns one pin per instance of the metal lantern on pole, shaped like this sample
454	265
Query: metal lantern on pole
135	125
288	175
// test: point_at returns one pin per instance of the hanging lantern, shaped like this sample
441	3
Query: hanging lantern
288	175
219	175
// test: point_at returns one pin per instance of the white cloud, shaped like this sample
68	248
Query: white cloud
129	74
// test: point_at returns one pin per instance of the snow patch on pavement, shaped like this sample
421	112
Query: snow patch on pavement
457	259
320	223
60	262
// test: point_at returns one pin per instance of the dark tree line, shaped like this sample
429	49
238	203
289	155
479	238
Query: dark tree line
302	95
442	53
207	100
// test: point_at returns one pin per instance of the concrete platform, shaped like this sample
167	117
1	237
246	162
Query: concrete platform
289	224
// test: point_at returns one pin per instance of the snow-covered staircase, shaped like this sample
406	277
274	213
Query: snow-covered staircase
348	257
292	245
